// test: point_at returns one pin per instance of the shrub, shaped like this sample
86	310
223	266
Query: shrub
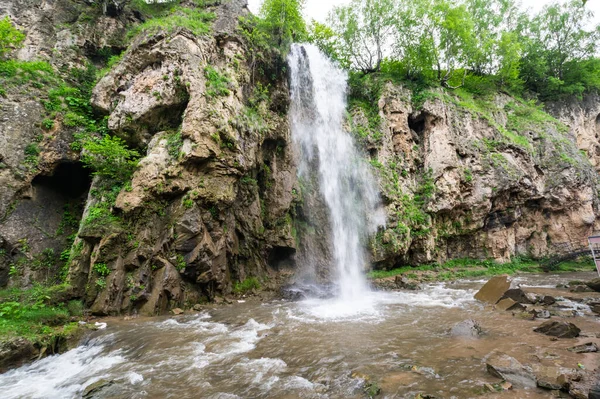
246	285
10	37
216	83
109	157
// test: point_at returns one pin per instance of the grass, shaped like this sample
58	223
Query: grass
245	286
39	314
195	20
466	268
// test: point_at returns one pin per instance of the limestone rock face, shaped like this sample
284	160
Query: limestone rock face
40	177
210	202
465	182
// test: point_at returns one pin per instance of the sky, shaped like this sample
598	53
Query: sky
318	9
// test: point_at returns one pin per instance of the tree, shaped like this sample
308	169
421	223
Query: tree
327	41
557	44
10	37
282	20
364	29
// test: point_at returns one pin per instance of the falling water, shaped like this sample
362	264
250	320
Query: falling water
318	92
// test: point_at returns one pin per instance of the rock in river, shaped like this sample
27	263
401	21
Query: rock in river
508	368
467	328
594	284
493	290
585	348
560	329
520	296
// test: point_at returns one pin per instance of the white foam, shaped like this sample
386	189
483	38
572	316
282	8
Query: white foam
135	378
373	306
60	376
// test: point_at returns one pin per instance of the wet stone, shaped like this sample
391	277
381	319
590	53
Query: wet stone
493	290
520	296
509	304
541	314
559	329
177	311
509	369
594	284
467	328
96	389
548	300
405	284
585	348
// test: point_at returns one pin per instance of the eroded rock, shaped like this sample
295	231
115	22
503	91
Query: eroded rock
559	329
467	328
510	369
493	290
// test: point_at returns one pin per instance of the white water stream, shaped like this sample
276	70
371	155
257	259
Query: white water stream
318	108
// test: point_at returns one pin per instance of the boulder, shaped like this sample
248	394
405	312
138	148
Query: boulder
541	314
509	369
595	307
467	328
553	378
493	290
559	329
594	284
548	300
177	311
585	348
520	296
95	390
509	304
405	284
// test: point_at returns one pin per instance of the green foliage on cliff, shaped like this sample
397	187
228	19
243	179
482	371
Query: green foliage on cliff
10	37
39	314
282	21
245	286
109	157
194	19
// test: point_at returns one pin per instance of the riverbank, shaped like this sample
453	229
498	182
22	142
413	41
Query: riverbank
409	276
39	322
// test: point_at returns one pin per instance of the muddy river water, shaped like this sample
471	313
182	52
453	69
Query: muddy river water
311	349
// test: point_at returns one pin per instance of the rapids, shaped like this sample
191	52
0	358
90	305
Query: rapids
292	350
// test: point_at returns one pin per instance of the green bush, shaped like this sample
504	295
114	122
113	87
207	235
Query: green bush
249	284
10	37
216	83
109	157
178	17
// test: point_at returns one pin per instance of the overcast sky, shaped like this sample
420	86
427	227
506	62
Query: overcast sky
318	9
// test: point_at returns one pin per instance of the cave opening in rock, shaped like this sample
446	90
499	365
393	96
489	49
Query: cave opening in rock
281	258
70	180
417	123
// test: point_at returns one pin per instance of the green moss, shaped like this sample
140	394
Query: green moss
174	144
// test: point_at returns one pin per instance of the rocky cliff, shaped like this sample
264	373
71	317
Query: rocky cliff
491	177
211	201
213	206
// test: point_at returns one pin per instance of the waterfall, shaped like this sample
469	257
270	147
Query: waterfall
318	109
